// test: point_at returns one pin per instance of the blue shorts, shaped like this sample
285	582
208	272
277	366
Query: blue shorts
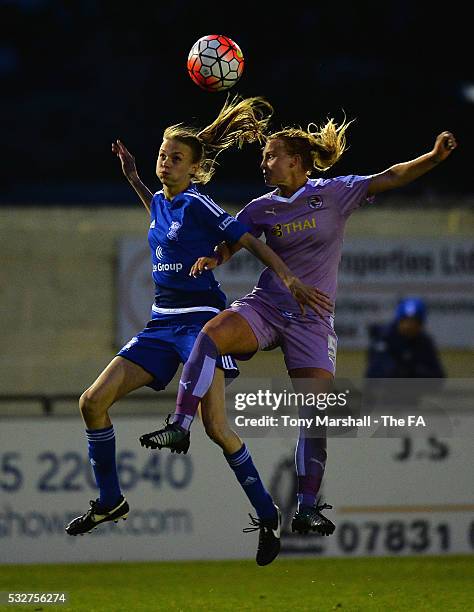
167	342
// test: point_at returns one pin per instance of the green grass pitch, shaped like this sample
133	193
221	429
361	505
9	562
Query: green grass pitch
404	583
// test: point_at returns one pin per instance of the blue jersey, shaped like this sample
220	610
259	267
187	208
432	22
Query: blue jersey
180	232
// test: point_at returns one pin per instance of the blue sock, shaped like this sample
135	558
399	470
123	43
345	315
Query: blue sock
101	444
249	479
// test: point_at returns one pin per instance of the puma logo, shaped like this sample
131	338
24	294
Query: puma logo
250	480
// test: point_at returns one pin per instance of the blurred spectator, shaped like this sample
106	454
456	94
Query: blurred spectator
402	348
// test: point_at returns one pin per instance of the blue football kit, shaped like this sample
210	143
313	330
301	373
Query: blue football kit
180	232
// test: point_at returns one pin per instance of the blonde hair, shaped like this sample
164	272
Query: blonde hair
319	147
240	121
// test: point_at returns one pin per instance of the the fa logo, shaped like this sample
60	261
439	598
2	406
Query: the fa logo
315	201
173	230
130	343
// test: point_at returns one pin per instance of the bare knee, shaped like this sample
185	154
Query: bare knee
92	404
231	333
213	331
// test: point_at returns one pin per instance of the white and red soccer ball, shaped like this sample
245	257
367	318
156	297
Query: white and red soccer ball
215	62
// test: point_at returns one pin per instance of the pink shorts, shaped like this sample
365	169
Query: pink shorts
306	341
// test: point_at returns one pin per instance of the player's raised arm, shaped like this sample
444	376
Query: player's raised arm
406	172
130	171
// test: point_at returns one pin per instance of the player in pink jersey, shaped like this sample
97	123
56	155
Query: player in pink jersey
303	221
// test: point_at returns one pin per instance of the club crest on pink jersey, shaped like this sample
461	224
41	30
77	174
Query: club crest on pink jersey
315	201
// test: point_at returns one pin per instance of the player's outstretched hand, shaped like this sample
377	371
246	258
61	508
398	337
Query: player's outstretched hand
306	295
126	158
201	264
444	146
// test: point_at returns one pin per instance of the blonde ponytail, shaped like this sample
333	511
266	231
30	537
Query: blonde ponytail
240	121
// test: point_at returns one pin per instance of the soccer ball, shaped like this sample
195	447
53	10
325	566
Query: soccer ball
215	62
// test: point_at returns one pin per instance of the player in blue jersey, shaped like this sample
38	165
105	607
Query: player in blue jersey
184	223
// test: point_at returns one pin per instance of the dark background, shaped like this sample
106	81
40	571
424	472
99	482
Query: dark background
76	75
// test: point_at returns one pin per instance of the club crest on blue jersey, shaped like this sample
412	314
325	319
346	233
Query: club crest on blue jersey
315	201
173	230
